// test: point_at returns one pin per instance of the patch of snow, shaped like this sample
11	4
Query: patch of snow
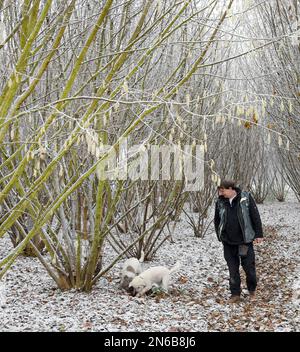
30	300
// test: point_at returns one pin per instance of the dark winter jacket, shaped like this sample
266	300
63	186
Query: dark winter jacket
238	222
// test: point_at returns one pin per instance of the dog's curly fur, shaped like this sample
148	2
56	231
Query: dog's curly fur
155	276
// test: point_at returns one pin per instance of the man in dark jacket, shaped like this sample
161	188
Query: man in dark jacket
238	225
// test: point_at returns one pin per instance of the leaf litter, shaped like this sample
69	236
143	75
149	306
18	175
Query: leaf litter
198	295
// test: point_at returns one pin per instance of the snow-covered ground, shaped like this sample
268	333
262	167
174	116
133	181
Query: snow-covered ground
198	298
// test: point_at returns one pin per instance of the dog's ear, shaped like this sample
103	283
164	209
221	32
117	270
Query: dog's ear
130	269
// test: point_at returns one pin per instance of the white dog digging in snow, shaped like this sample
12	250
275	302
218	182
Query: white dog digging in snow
131	268
155	276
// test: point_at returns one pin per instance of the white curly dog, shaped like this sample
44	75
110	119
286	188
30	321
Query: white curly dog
155	276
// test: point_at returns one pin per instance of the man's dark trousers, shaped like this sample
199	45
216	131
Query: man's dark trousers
231	254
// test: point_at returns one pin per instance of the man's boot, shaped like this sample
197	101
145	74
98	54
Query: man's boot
235	299
252	295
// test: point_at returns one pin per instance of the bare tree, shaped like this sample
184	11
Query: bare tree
77	77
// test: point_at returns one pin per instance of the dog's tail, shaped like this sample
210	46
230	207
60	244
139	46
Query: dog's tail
142	256
175	267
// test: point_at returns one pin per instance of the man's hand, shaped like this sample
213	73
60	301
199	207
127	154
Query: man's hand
258	240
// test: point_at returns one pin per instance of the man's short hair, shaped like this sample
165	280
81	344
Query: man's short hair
227	184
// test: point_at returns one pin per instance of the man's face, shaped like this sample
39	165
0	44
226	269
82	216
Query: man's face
226	192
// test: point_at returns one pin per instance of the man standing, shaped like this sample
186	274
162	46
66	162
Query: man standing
238	225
